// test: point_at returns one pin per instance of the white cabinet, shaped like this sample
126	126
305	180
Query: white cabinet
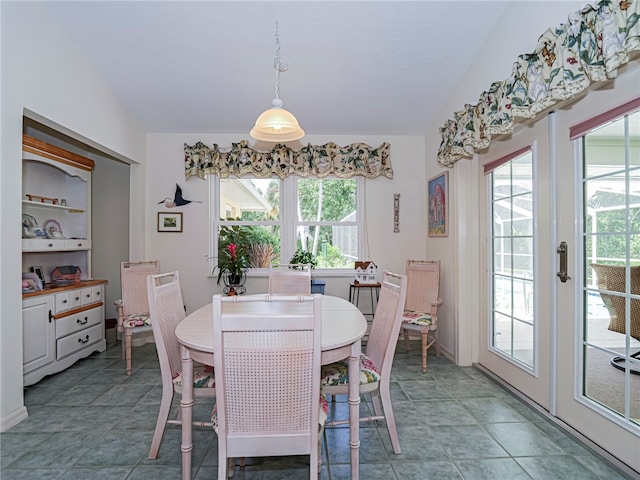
38	332
65	323
61	326
56	202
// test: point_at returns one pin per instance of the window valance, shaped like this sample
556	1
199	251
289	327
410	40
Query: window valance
282	161
588	48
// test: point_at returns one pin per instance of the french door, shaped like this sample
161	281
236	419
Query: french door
516	335
598	211
562	197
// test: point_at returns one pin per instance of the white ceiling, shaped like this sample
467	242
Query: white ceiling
367	68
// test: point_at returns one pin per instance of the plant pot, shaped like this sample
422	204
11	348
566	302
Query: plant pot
234	283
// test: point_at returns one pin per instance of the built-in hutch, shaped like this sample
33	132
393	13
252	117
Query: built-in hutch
65	321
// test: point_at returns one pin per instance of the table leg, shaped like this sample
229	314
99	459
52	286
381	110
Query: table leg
186	404
354	408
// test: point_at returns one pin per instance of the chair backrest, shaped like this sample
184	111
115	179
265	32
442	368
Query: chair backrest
167	310
267	364
290	279
614	279
387	321
133	280
423	281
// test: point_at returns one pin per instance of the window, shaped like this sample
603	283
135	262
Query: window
512	273
272	218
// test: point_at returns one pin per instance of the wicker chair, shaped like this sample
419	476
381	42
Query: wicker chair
421	307
290	279
133	307
376	363
612	278
267	366
167	310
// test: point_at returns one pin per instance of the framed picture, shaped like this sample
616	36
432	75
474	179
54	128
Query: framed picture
438	198
169	222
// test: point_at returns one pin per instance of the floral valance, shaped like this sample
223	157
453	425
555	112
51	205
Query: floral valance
282	161
588	48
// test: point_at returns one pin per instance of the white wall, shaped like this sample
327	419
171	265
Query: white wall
187	251
516	33
42	72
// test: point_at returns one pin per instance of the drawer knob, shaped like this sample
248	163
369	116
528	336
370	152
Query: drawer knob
88	295
77	298
64	301
81	322
86	339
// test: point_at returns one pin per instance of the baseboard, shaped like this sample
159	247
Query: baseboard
13	418
615	462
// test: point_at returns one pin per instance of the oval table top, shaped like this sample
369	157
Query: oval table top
342	323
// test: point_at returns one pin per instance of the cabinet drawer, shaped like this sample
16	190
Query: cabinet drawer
87	296
62	302
78	321
46	244
79	340
96	293
77	244
75	298
91	295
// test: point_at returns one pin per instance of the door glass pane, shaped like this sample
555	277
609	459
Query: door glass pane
512	260
611	299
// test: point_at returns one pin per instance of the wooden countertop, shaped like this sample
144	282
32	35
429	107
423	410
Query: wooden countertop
49	288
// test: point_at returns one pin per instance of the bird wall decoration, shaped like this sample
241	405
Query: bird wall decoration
178	199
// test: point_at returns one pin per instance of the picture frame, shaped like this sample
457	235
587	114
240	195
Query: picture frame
438	205
169	222
37	269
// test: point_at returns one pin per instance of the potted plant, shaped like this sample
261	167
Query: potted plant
232	265
305	257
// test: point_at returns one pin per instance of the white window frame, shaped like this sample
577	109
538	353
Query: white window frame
287	222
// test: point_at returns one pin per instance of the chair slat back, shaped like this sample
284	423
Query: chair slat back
267	366
133	280
423	281
167	311
290	279
387	321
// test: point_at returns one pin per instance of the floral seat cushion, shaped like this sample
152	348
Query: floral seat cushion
416	318
202	378
338	373
133	321
323	413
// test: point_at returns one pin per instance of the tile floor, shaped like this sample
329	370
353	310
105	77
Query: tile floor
92	422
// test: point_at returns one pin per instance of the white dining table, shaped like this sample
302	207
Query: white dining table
343	326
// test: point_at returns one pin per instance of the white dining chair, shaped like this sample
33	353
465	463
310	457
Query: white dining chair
290	279
376	362
421	307
267	365
133	306
167	311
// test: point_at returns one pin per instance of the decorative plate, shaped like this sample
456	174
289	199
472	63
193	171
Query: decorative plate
53	229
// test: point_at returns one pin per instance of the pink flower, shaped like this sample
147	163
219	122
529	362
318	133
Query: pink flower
232	250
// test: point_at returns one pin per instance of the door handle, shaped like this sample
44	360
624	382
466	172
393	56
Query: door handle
562	253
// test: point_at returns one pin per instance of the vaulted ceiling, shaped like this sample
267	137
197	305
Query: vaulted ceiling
368	68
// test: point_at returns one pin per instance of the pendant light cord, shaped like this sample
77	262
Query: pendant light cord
276	62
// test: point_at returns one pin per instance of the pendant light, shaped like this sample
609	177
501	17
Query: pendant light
277	124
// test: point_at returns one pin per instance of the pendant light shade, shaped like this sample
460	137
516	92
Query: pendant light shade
277	124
